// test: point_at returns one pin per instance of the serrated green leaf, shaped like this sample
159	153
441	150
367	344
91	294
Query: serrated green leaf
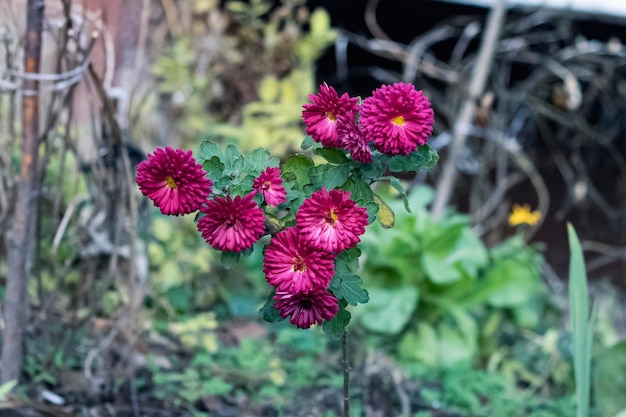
214	168
347	261
329	176
259	160
230	259
359	189
337	325
209	149
349	288
332	155
423	158
372	209
296	168
376	168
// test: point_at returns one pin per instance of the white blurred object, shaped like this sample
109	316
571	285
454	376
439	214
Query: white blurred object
604	7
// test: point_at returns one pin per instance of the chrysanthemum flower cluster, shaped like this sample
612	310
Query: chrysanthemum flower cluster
314	214
396	119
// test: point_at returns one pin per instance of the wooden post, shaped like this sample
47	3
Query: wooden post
18	242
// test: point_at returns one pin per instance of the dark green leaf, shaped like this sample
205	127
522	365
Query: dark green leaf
269	312
337	325
423	158
359	189
376	168
230	259
372	209
332	155
296	168
329	176
349	288
347	262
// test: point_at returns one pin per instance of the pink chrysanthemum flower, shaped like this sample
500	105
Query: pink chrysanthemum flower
306	308
320	116
232	225
331	221
173	180
352	138
270	184
397	118
292	265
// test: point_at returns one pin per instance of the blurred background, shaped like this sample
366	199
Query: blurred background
130	313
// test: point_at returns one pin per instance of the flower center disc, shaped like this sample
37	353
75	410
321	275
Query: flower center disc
331	217
170	182
331	116
299	265
399	120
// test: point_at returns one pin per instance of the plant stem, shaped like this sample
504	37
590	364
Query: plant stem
346	374
25	210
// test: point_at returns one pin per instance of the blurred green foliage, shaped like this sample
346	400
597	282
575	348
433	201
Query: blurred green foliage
434	283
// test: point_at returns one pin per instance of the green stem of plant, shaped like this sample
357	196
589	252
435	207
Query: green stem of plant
346	374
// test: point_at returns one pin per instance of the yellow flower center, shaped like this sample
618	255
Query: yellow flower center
266	185
331	116
399	120
299	265
331	217
170	182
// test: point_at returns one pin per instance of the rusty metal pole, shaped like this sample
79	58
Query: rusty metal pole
19	240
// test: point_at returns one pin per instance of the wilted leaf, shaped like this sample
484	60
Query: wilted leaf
385	215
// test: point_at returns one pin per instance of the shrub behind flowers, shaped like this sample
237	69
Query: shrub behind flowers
315	214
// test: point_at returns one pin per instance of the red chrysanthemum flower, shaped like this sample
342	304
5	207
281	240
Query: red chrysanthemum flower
331	221
320	117
397	118
352	138
270	184
305	309
173	180
292	265
232	225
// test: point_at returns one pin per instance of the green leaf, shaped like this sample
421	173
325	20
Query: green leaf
335	328
423	158
421	345
214	168
397	185
347	261
359	189
332	155
609	380
372	209
349	288
269	312
209	149
296	168
579	313
385	215
510	282
389	309
6	388
230	259
308	142
375	169
329	176
215	386
260	159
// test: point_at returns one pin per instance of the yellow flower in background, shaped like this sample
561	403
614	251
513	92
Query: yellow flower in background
523	215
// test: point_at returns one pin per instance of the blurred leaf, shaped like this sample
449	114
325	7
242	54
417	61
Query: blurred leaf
385	215
179	297
6	388
421	345
349	288
332	155
335	328
269	312
230	259
397	185
269	89
510	282
609	380
309	142
329	176
215	386
389	309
